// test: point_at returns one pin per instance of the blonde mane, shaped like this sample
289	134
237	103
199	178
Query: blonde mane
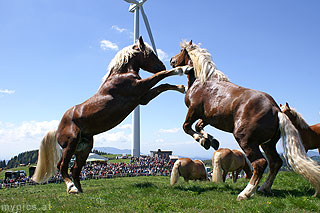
122	58
203	65
299	120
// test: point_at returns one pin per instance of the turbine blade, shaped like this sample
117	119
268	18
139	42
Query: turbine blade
146	22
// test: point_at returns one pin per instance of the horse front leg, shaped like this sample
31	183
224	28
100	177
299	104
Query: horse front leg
160	89
214	143
187	127
147	83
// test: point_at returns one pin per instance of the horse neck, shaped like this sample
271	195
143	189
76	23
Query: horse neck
130	67
295	123
191	79
309	137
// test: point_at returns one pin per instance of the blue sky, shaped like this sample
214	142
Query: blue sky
53	55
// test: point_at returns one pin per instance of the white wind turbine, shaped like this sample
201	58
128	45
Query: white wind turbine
135	7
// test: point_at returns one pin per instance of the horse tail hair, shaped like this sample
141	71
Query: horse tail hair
49	155
217	170
175	173
295	153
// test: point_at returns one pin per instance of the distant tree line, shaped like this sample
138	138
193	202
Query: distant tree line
3	164
23	158
100	153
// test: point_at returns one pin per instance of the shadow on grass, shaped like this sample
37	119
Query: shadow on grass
235	190
284	193
201	189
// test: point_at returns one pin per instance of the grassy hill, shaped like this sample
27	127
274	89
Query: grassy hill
143	194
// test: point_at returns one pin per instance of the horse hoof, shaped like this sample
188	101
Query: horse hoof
240	198
215	144
316	195
182	88
205	143
73	191
264	191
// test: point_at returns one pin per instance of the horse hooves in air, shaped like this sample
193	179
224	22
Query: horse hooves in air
215	144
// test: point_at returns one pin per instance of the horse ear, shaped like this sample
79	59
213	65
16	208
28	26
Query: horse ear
280	105
190	42
141	44
287	105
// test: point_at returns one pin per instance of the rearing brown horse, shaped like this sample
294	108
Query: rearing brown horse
120	93
252	116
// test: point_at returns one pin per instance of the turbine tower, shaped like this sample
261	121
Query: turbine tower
135	7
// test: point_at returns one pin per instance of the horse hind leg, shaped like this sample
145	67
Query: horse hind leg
68	140
208	140
236	174
82	152
259	164
275	164
224	175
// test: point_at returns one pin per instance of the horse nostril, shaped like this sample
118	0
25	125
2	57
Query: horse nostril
172	62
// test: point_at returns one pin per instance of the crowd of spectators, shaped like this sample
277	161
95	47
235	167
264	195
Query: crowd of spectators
138	166
141	166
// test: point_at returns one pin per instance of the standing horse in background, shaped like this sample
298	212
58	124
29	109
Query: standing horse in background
252	116
121	91
189	170
310	135
225	160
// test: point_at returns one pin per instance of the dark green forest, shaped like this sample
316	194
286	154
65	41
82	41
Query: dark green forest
23	158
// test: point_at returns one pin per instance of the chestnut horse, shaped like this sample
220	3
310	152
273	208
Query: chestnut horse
189	170
121	91
225	160
310	135
252	116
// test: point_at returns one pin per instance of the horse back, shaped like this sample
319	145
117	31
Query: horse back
191	170
230	159
222	104
311	139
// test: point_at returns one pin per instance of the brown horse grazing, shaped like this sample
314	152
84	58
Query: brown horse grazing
310	135
225	160
252	116
189	170
119	94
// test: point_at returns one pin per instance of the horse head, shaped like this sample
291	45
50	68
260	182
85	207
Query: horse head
182	58
146	59
287	110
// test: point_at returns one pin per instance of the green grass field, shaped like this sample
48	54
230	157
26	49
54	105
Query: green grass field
144	194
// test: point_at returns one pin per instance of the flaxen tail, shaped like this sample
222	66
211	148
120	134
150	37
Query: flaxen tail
296	155
49	155
217	170
175	173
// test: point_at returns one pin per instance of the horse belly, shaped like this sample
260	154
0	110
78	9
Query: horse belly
102	114
221	122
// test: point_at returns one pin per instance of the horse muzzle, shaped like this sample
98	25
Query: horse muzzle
173	62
